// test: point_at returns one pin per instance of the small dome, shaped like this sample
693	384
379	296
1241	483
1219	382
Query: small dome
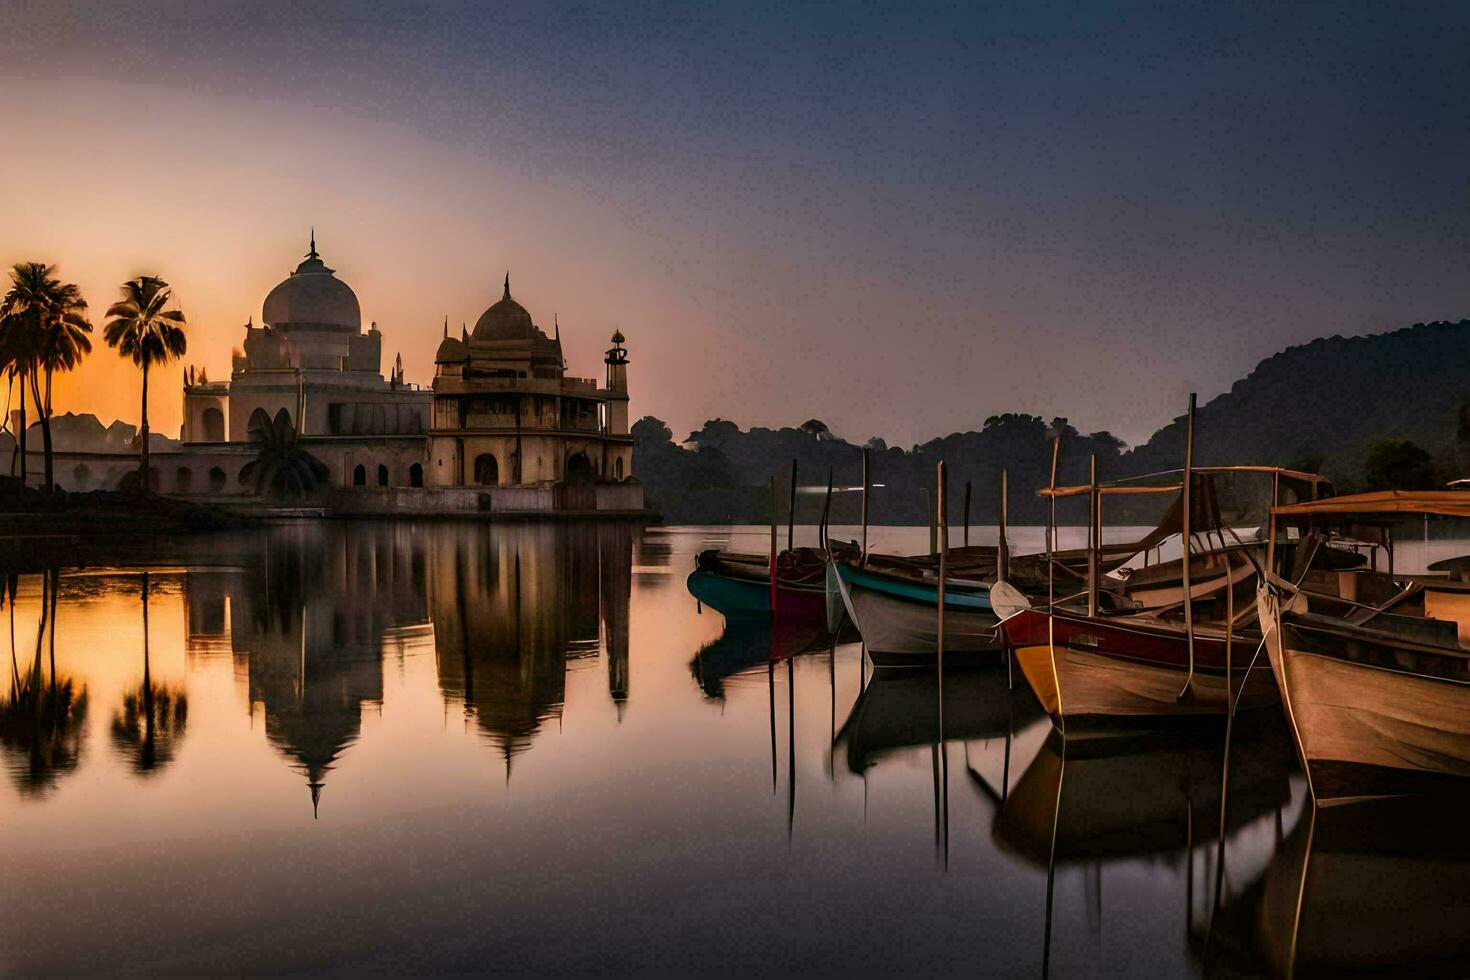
506	320
451	351
312	296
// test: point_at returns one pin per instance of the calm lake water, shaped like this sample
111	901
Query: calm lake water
523	749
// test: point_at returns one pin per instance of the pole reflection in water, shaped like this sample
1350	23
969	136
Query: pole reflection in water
392	677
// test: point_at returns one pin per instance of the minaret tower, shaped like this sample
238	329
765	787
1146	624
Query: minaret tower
617	386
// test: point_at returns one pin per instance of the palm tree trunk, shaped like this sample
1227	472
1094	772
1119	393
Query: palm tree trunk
21	435
45	415
143	480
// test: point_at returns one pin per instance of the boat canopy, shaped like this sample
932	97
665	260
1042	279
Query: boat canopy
1444	503
1315	484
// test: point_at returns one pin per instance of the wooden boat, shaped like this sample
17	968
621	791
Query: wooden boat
1379	699
738	585
897	616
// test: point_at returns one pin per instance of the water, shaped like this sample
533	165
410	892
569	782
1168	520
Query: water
434	747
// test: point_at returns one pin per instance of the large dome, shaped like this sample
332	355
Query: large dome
506	320
313	296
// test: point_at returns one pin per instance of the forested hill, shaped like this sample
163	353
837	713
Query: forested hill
1340	405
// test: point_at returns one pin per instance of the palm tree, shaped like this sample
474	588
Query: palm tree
53	328
281	468
142	327
18	333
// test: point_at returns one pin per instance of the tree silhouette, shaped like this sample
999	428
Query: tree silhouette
48	319
42	724
144	329
150	724
1397	464
281	468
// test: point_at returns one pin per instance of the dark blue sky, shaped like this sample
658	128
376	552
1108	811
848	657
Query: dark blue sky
898	218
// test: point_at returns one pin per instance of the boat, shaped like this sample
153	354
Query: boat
1164	643
897	615
738	585
1378	697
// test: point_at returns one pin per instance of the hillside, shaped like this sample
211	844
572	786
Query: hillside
1321	405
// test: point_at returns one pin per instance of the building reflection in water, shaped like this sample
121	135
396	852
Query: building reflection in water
312	611
515	607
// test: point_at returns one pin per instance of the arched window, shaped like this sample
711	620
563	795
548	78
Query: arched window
618	468
216	479
214	425
416	475
487	471
579	468
359	476
183	480
382	475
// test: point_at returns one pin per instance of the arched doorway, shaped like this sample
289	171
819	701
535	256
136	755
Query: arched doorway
382	475
487	471
579	469
82	476
416	475
216	480
214	425
359	476
183	480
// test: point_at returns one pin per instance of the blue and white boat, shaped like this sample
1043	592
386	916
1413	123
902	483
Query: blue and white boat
898	616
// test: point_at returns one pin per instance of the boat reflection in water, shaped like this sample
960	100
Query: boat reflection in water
901	709
1382	885
315	609
1102	801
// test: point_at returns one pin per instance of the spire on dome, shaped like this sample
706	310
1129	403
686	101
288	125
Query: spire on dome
507	285
313	253
464	333
555	322
446	326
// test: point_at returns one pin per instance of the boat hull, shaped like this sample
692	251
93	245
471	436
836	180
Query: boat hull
1098	677
740	598
899	622
1366	729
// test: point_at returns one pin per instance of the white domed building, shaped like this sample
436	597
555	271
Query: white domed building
311	359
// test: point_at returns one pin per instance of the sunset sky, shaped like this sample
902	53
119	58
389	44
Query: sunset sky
897	218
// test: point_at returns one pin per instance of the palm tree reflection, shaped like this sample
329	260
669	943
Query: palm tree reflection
150	725
42	721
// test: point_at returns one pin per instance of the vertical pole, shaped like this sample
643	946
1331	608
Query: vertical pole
791	510
1092	569
1271	519
826	511
867	481
1003	551
967	513
1185	534
932	505
1051	527
773	548
939	584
